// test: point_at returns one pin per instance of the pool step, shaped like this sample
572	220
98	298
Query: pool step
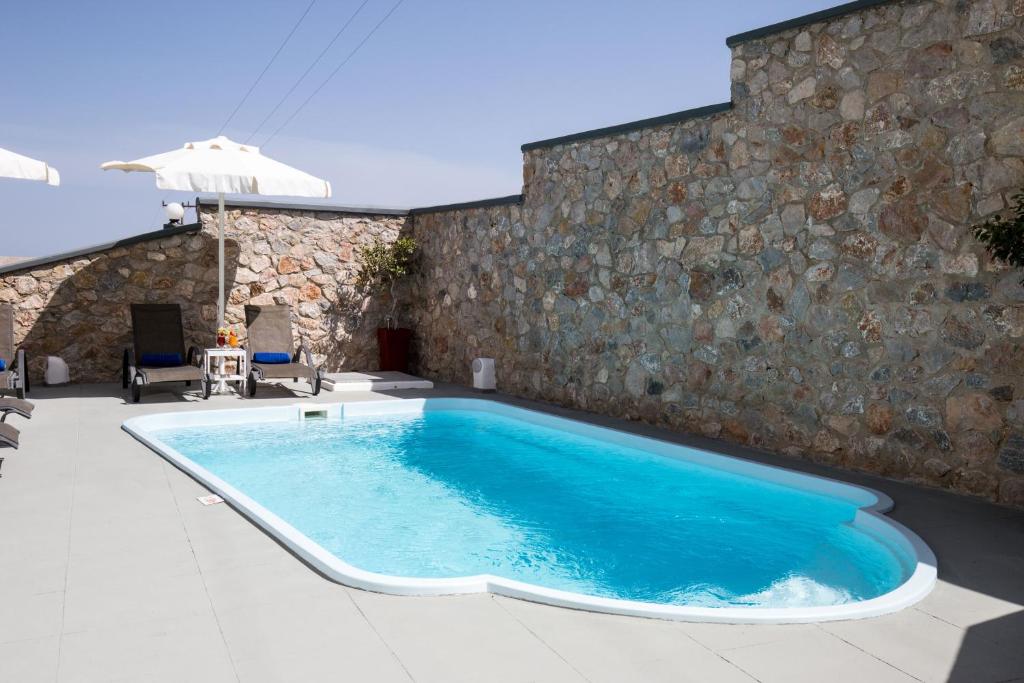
373	381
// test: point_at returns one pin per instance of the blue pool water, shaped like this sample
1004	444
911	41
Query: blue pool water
449	493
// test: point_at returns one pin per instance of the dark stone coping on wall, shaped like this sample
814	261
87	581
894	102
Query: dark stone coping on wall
203	202
163	233
631	126
812	18
288	206
482	203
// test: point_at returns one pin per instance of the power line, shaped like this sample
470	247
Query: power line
333	73
263	73
306	72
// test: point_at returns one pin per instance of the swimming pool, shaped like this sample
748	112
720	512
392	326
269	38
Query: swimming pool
439	496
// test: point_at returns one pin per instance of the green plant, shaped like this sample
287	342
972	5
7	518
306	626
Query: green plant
1004	236
384	264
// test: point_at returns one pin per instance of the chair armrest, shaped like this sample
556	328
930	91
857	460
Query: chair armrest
195	356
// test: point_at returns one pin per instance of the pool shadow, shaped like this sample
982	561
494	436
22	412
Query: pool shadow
980	642
287	390
177	392
169	392
985	555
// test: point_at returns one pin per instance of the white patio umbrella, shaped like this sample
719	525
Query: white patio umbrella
18	166
223	166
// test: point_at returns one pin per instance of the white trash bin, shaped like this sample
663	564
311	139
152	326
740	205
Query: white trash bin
56	371
483	374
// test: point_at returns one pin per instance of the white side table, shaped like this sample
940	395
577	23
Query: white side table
216	366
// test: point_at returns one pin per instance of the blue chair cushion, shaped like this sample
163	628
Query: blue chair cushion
161	360
3	365
271	358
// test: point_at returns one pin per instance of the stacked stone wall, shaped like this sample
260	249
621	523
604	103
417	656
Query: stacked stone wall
797	273
78	308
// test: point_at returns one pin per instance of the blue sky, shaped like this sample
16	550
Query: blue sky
431	110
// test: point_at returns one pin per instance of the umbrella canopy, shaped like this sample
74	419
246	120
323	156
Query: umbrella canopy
223	166
25	168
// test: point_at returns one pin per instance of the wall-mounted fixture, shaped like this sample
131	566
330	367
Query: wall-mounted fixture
175	213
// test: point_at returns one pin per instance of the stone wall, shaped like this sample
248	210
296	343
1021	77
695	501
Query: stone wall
78	308
309	260
796	273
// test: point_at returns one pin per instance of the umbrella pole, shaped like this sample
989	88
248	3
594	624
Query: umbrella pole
220	259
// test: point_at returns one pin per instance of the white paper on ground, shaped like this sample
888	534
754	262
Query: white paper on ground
211	499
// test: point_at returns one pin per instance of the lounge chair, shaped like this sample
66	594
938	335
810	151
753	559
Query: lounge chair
13	368
16	406
8	435
271	348
158	354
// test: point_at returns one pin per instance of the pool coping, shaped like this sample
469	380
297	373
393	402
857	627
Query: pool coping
872	506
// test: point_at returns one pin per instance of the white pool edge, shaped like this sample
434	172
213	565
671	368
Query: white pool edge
873	504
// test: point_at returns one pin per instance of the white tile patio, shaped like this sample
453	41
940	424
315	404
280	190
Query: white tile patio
110	570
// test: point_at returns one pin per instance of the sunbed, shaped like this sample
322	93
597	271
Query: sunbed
15	406
13	368
158	353
271	348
